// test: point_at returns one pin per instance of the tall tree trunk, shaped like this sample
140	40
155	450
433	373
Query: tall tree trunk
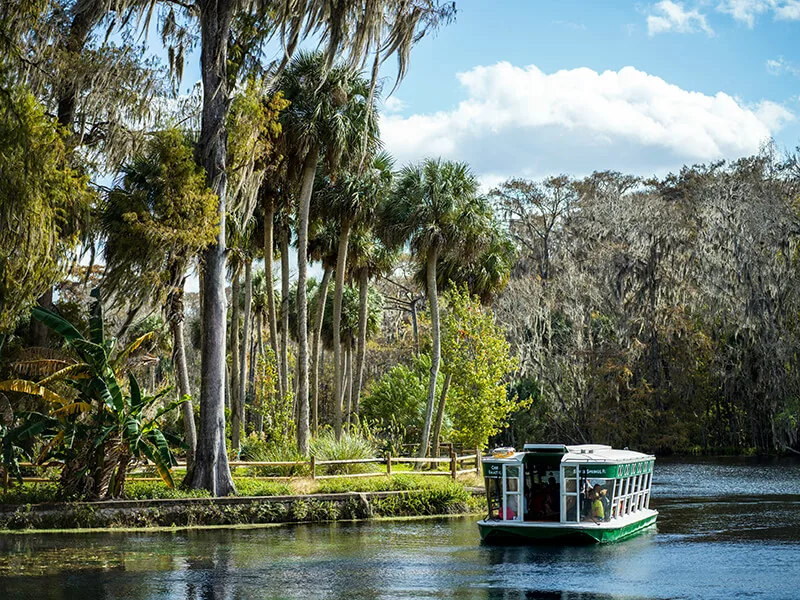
415	325
258	420
251	378
243	362
269	224
316	341
433	298
176	318
341	264
236	401
211	470
39	332
348	381
284	359
437	429
309	170
363	297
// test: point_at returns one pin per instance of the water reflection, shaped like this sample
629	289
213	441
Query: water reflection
739	538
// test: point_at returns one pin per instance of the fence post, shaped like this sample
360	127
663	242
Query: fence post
313	467
389	464
453	464
478	461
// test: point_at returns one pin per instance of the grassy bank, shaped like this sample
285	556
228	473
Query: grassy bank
417	496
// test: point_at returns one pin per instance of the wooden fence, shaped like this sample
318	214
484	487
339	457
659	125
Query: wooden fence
457	466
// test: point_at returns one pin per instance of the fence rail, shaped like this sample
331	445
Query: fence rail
456	468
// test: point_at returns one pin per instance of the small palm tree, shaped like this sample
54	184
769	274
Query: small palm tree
351	200
100	428
433	208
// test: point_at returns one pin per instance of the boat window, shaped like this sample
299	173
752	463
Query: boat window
569	495
601	490
494	496
512	493
621	502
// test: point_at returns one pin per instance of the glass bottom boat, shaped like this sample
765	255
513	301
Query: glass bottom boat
557	493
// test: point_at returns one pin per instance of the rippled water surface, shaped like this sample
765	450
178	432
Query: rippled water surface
727	529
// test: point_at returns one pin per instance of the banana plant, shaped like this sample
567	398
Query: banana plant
101	427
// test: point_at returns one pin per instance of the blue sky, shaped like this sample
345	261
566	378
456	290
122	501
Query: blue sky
533	87
668	62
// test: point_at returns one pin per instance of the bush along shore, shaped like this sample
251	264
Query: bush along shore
333	500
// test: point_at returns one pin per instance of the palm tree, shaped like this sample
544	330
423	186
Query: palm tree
390	28
329	112
269	198
350	199
432	207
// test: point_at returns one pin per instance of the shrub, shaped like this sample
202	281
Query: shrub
156	490
350	446
254	487
255	448
30	493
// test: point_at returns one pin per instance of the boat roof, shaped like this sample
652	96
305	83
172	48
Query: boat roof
581	453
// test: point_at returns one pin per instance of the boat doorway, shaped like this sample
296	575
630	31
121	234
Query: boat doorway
542	487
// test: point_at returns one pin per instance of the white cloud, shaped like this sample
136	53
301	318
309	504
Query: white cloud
789	11
779	66
773	115
521	121
746	11
393	104
671	16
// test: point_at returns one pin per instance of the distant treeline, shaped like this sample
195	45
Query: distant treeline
658	314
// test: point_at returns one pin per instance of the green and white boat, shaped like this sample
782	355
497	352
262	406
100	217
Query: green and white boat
557	493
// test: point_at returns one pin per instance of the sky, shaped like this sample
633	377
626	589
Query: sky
532	88
536	88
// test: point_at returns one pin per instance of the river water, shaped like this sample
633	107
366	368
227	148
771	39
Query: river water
727	529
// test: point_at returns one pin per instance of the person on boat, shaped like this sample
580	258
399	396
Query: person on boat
598	509
602	494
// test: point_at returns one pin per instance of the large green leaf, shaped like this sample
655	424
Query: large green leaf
152	453
91	353
57	324
137	401
28	387
101	391
116	393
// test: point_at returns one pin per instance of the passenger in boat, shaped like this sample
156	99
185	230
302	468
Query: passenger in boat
602	494
598	507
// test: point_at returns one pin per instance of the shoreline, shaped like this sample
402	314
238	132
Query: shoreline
236	511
